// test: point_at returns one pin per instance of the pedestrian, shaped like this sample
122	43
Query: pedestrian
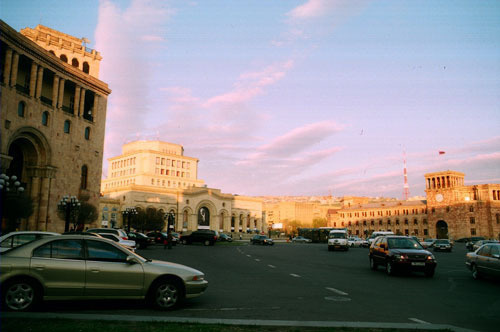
169	239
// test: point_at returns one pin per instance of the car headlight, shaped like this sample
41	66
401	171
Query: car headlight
430	258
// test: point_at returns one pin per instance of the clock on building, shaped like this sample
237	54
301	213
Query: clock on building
439	198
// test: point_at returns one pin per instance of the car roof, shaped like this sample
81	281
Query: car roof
26	232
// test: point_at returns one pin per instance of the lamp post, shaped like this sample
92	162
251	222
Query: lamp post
69	205
127	214
170	218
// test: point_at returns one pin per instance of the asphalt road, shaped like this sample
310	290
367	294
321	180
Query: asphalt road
306	282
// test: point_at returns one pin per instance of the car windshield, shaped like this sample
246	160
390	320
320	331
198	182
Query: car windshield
403	243
441	242
337	236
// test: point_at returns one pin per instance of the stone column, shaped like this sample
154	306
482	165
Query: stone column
35	195
61	93
13	72
44	203
39	83
95	107
33	73
76	106
55	90
7	66
82	102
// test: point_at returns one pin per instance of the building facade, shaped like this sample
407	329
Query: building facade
53	113
155	174
451	210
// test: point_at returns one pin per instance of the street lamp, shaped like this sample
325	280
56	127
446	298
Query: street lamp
127	214
69	205
10	185
170	218
10	197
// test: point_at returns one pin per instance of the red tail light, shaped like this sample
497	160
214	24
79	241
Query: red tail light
124	238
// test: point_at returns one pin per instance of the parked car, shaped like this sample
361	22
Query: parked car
485	261
206	236
118	232
401	253
261	239
479	243
67	264
337	239
365	243
301	239
129	244
375	234
427	243
15	239
354	241
225	238
442	245
470	244
141	240
82	233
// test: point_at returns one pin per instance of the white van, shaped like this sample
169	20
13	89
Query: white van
337	238
378	233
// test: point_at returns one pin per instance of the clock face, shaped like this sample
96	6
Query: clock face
439	198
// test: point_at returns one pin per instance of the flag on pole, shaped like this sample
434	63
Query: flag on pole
442	152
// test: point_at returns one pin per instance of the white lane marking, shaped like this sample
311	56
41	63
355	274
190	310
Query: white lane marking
271	266
336	291
294	275
257	260
249	255
416	320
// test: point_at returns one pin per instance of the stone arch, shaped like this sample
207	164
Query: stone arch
441	229
86	67
32	145
210	207
75	63
185	217
64	58
223	220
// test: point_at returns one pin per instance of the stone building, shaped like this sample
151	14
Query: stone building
155	174
53	117
452	210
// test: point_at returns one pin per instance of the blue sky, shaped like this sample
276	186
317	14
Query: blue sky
298	97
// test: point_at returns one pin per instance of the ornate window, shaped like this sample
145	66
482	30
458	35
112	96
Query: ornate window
45	118
83	184
21	107
67	126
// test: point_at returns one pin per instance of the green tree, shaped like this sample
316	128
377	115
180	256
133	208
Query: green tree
319	222
150	219
14	208
87	214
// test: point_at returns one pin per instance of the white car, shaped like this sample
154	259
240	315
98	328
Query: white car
15	239
129	244
337	239
301	239
376	234
355	241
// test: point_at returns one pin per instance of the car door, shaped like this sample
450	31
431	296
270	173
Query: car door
482	259
378	251
492	263
108	274
60	265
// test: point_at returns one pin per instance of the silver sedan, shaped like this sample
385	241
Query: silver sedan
485	261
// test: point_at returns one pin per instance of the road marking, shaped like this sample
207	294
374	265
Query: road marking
271	266
257	260
418	321
294	275
336	291
249	255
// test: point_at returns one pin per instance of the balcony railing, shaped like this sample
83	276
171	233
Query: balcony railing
67	109
23	88
46	100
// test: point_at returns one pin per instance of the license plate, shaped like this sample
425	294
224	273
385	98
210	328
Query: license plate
418	263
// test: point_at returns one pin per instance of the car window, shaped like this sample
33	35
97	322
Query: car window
21	239
337	235
101	251
484	251
402	243
61	249
494	250
109	237
7	243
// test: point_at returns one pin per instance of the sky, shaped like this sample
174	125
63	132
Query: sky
297	97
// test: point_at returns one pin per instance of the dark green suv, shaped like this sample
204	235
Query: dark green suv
205	236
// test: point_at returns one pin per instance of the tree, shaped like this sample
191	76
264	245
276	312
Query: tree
15	207
149	219
292	226
319	222
87	214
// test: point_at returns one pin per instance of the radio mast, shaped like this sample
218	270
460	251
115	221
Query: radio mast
406	187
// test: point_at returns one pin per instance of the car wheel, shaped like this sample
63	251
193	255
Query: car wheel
21	295
373	265
475	272
207	242
389	268
429	273
166	294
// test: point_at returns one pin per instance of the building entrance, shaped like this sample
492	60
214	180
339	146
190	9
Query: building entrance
203	218
441	229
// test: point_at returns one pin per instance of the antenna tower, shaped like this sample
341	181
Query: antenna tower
406	187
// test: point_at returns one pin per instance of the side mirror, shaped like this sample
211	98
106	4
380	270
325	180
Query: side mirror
497	256
132	260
